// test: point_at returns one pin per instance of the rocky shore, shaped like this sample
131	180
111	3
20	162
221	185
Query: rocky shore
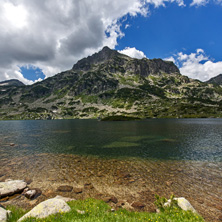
130	184
58	203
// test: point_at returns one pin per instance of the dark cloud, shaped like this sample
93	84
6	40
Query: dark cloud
88	35
54	34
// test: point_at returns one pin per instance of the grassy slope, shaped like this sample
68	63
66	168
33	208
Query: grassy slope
98	211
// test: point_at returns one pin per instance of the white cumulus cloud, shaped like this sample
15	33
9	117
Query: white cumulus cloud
171	59
197	65
133	52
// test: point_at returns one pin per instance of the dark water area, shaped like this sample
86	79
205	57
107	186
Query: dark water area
129	160
168	139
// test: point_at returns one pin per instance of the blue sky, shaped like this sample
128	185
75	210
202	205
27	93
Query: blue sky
32	72
171	29
39	40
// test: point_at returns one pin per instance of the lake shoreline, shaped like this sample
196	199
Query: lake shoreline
128	181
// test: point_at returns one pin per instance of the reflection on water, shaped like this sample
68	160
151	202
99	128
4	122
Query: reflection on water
183	157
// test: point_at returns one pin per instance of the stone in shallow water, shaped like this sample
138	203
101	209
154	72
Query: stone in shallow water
28	181
46	208
88	186
11	187
114	200
77	190
4	214
30	194
110	199
169	183
65	188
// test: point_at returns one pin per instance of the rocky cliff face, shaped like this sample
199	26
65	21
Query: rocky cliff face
100	57
110	83
113	59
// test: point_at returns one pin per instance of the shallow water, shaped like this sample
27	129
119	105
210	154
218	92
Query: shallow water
183	157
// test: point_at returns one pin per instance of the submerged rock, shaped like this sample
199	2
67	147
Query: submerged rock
4	214
77	190
110	199
46	208
88	186
169	183
28	181
138	205
65	188
114	200
11	187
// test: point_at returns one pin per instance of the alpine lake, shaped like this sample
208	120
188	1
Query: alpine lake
131	160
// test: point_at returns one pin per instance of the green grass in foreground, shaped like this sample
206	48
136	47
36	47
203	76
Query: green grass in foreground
98	211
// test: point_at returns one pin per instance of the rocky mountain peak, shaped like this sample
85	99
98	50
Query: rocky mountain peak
105	54
143	67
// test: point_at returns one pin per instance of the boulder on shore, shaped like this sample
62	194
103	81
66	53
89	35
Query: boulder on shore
11	187
46	208
183	203
4	214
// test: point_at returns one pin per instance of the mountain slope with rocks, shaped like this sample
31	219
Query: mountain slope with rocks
112	84
216	80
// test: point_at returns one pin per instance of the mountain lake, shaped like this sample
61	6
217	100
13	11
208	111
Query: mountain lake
130	160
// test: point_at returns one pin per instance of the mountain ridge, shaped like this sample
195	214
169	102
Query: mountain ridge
12	82
105	54
216	80
109	83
